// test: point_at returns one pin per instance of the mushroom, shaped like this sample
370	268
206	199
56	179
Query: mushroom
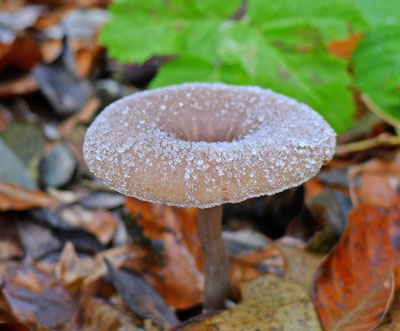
205	144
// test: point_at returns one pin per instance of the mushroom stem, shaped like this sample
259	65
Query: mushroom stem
216	288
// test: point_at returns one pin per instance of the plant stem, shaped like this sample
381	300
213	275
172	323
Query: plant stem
216	288
384	139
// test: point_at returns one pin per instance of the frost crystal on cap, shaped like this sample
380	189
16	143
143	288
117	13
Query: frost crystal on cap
202	145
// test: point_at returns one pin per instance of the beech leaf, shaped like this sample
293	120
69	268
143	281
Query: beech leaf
353	286
269	303
13	197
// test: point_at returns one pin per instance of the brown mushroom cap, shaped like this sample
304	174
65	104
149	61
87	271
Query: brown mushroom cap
203	144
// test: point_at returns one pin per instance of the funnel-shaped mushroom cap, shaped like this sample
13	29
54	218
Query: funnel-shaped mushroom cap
202	145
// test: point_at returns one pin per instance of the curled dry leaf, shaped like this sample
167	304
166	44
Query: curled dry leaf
74	272
269	303
353	286
13	197
330	208
101	222
251	265
376	182
35	296
101	315
140	297
178	278
103	225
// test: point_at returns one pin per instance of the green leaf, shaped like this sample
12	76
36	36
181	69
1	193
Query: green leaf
314	78
140	29
196	69
380	12
377	68
278	44
200	39
218	8
185	69
332	19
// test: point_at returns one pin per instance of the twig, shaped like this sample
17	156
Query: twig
383	139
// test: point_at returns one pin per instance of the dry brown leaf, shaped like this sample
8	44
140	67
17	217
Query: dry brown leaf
103	225
85	115
389	327
35	297
18	86
76	215
53	17
353	286
51	50
300	264
178	278
86	55
74	272
23	53
394	311
12	4
251	265
10	249
101	315
269	303
376	182
13	197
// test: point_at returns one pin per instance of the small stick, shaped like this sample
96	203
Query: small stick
383	139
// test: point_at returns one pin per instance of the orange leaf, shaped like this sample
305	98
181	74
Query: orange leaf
35	296
344	48
23	53
13	197
74	272
86	55
100	315
353	286
103	226
376	182
178	278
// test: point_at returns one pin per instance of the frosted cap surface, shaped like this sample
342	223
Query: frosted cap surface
205	144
